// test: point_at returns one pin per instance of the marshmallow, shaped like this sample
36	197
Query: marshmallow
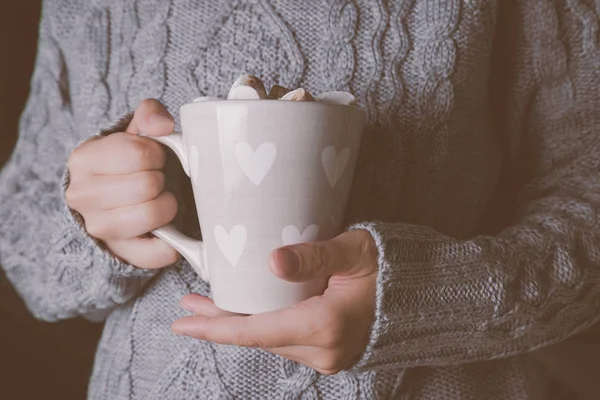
298	95
247	87
201	99
338	97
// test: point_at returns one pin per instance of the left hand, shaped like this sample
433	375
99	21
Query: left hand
328	332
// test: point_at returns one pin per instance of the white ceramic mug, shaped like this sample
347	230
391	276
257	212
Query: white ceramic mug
265	173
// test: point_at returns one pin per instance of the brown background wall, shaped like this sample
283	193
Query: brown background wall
37	360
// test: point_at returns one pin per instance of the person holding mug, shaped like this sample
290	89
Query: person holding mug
469	237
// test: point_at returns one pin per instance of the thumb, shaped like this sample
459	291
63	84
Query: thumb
351	253
151	118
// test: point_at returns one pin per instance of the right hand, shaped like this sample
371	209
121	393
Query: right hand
117	185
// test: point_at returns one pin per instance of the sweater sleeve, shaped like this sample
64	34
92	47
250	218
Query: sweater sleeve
442	300
58	269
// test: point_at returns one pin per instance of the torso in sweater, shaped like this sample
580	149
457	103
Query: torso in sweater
433	154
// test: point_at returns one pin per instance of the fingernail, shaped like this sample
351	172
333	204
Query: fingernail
288	262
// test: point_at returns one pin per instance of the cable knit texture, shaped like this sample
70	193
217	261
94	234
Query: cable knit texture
478	179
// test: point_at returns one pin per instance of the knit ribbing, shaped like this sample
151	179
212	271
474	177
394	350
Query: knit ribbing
340	56
369	65
148	50
95	55
589	17
395	47
127	33
381	18
555	91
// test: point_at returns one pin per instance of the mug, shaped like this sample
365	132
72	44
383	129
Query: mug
265	174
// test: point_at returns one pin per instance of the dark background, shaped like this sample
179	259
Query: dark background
37	360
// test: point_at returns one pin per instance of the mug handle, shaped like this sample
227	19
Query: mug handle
192	250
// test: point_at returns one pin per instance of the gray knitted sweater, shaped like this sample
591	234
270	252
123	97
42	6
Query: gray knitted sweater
479	180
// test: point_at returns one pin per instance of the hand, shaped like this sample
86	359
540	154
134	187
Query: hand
117	185
328	332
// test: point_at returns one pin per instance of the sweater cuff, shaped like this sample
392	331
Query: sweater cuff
420	313
106	257
378	342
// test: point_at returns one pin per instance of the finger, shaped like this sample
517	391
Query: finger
151	118
132	221
344	254
203	306
117	154
275	329
107	192
148	253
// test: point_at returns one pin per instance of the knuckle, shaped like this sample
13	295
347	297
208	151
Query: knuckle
148	215
151	184
170	205
167	206
146	106
163	258
320	258
170	257
79	199
72	197
244	339
154	151
159	211
95	228
253	344
140	151
78	159
149	102
368	249
329	363
74	163
313	259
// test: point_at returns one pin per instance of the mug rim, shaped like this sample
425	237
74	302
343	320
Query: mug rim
272	102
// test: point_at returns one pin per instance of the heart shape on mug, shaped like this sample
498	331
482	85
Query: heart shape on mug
255	164
232	244
334	163
291	234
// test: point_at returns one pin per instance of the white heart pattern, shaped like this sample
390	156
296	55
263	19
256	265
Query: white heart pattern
334	163
232	244
193	162
291	234
255	164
